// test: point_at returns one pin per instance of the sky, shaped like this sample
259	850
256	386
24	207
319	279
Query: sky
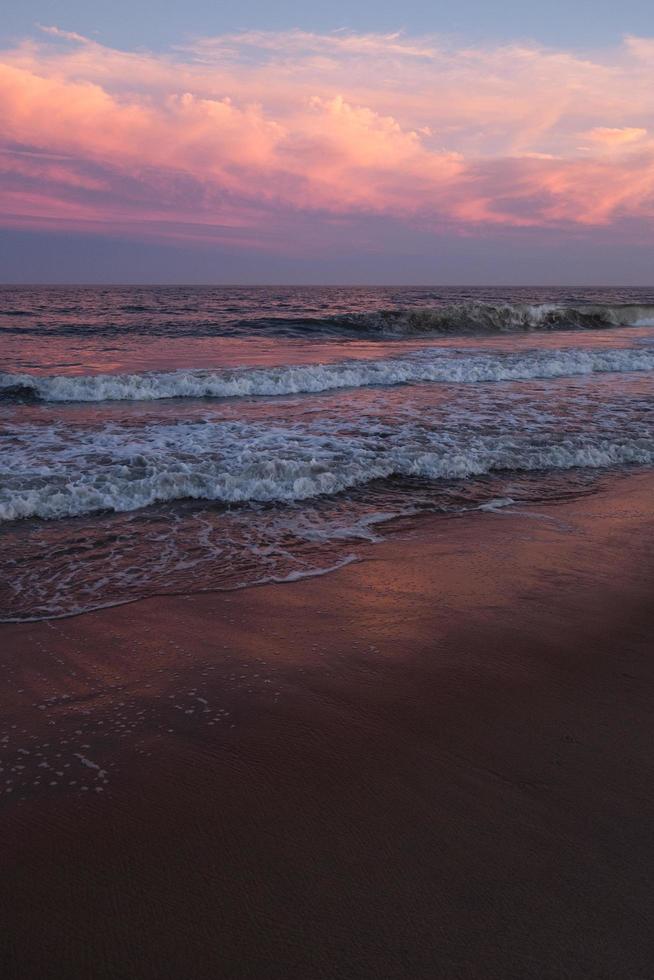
467	143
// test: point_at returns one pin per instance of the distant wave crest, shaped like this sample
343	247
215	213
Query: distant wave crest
475	318
464	318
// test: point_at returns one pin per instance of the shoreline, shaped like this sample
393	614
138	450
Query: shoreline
431	763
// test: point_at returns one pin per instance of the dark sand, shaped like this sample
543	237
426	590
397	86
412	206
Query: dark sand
437	763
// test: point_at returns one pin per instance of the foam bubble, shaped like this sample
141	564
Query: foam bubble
56	471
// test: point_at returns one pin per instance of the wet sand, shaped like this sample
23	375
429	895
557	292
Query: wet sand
434	763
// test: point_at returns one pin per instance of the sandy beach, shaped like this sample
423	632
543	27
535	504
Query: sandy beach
433	763
326	491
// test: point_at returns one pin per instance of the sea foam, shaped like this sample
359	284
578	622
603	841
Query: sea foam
61	471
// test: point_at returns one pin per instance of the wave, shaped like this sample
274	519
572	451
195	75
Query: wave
421	366
464	318
475	317
59	471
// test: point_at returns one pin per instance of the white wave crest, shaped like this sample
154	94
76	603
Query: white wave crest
423	366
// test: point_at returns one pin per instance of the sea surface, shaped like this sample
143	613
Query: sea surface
183	439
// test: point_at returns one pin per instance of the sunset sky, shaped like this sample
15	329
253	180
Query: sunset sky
253	142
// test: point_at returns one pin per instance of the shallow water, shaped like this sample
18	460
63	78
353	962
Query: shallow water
182	439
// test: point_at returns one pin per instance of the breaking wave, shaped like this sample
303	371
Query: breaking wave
422	366
463	318
476	317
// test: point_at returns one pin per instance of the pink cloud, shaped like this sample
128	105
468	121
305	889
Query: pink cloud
233	135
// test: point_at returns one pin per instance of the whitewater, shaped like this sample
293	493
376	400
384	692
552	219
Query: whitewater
74	472
421	366
158	439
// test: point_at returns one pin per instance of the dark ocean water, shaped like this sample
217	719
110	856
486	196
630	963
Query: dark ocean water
167	439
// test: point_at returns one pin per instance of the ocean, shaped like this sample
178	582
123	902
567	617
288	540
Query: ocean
184	439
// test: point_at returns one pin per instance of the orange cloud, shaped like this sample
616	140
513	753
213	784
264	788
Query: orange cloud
237	132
